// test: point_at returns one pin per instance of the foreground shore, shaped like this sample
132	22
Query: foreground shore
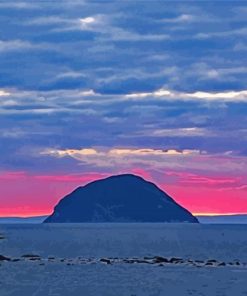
123	259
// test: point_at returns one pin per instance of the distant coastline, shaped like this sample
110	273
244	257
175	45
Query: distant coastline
223	219
204	219
24	220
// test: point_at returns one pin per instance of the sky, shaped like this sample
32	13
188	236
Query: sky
94	88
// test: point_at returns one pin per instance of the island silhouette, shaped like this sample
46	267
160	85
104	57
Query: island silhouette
120	198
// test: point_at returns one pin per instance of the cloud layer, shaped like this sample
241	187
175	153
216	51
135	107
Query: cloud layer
91	88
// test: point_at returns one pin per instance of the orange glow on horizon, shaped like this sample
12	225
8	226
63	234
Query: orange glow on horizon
217	214
17	212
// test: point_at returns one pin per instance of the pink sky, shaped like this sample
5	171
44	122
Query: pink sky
30	195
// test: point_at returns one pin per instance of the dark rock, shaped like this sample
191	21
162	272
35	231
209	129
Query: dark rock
31	256
16	260
222	264
104	260
144	261
3	258
199	261
122	198
176	260
159	259
212	261
128	261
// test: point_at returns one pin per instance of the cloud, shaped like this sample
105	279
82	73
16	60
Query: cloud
66	24
15	45
240	46
186	132
4	93
83	178
20	175
89	92
190	178
23	132
76	153
159	93
183	18
89	101
87	20
93	23
221	182
137	74
70	74
20	45
182	132
204	72
47	102
151	152
18	5
89	95
226	96
120	159
230	33
49	20
171	91
102	24
12	175
71	152
120	34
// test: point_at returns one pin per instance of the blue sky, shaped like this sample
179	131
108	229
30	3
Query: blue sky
87	86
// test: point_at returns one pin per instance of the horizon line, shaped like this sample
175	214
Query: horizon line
194	214
217	214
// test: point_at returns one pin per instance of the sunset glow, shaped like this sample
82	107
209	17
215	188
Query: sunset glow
35	195
90	90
